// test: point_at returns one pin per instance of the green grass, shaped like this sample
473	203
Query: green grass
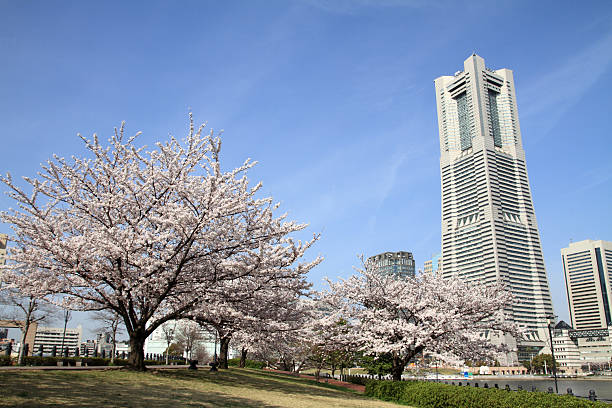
172	388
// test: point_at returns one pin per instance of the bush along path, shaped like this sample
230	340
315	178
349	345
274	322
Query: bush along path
436	395
355	387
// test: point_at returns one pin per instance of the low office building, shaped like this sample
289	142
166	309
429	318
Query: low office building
595	346
49	337
88	348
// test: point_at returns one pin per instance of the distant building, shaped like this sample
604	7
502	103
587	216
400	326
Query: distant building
156	343
104	342
52	336
88	348
434	264
587	266
3	242
567	354
595	346
392	263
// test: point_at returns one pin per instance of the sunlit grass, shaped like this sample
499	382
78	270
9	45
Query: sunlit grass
171	388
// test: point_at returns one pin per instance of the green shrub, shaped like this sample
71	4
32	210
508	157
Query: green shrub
356	379
436	395
163	362
95	361
6	361
41	361
235	362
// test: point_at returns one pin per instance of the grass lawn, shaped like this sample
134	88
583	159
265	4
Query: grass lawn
171	388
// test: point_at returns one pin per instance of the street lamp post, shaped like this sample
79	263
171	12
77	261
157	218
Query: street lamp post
550	321
67	316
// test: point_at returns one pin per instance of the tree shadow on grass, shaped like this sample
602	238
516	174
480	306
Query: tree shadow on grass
268	381
54	389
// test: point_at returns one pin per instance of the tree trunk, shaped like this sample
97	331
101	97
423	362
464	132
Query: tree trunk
223	351
114	349
136	360
243	356
397	367
23	339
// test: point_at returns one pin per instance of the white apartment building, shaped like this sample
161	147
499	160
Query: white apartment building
489	228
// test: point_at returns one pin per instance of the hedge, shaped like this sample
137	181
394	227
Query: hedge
235	362
90	361
435	395
5	361
357	379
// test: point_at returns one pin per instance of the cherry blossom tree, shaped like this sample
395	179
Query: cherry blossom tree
254	309
282	333
144	233
405	316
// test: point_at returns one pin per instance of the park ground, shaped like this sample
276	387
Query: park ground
173	388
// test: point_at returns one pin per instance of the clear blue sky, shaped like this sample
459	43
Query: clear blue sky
335	99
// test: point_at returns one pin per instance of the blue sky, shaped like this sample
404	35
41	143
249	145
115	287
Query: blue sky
335	99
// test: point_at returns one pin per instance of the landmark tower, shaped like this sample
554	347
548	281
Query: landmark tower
489	228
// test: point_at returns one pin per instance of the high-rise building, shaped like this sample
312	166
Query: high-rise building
489	228
392	263
587	266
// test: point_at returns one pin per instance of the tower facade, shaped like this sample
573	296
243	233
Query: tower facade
489	228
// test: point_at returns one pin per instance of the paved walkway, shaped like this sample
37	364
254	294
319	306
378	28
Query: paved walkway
350	386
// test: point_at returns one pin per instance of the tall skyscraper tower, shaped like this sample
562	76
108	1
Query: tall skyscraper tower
489	228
